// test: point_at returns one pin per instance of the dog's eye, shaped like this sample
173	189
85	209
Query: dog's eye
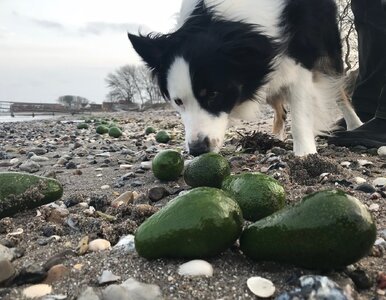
178	101
212	94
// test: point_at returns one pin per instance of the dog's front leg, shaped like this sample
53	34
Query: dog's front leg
301	99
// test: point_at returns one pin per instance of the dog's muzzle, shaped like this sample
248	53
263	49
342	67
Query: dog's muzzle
199	147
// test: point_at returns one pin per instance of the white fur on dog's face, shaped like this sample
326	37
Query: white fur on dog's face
199	123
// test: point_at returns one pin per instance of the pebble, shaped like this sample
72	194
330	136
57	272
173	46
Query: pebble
146	165
14	161
157	193
99	245
88	294
126	244
366	188
108	277
359	180
345	164
37	158
5	164
38	151
56	273
6	253
261	287
36	291
117	292
29	167
364	163
374	207
125	167
104	154
196	267
105	187
7	270
380	182
142	291
361	280
382	151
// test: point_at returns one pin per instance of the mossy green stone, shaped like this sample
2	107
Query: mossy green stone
167	165
162	137
209	169
20	191
102	129
149	130
115	132
258	195
82	126
326	230
201	223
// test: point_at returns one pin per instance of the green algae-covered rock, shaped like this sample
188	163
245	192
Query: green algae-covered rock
115	132
326	230
20	192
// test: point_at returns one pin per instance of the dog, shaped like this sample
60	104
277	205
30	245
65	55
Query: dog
227	56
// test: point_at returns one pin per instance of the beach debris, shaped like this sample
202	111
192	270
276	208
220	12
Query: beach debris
108	277
261	287
196	267
316	287
125	198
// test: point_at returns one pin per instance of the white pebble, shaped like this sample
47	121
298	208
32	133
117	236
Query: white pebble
14	161
345	164
99	245
374	207
359	180
261	287
146	165
37	291
382	151
380	182
104	154
196	267
125	167
364	163
105	187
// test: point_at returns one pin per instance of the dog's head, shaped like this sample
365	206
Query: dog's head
207	69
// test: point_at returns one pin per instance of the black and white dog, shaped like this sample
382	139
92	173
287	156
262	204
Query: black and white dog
227	55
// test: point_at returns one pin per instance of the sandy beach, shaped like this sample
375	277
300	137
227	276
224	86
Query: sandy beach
95	170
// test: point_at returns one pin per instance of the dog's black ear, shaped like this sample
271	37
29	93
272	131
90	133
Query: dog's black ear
150	48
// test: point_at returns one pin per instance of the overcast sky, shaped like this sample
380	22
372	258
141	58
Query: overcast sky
50	48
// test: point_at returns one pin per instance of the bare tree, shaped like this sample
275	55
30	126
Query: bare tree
132	84
73	102
348	35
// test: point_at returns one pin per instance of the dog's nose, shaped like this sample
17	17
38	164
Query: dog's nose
197	148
